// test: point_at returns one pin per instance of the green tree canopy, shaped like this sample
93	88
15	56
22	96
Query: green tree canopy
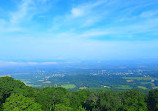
133	100
20	103
7	85
108	101
49	97
153	100
60	107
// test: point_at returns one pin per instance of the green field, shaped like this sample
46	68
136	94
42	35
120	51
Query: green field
122	87
140	78
68	86
142	87
34	86
145	83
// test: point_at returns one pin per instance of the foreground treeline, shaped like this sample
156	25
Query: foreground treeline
16	96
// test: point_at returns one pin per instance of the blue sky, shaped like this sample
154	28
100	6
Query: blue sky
78	29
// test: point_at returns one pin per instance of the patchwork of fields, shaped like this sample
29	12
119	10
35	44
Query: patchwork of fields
126	83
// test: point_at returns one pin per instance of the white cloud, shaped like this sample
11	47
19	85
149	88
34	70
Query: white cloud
43	0
21	17
5	63
92	33
148	14
80	16
146	26
22	12
86	8
77	12
5	27
2	22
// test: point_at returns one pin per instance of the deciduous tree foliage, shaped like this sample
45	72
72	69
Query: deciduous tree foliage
7	85
51	96
153	100
133	100
20	103
108	101
60	107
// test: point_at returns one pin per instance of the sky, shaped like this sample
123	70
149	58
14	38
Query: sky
47	30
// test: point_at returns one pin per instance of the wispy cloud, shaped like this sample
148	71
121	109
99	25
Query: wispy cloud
77	12
126	21
22	13
87	19
19	19
5	63
149	14
80	16
78	29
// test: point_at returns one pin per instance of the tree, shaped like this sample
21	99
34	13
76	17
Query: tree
49	97
26	91
7	85
19	103
133	100
108	101
81	109
91	101
78	98
152	100
60	107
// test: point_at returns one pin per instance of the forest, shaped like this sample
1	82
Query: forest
16	96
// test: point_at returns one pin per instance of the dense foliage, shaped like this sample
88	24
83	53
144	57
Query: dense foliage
16	96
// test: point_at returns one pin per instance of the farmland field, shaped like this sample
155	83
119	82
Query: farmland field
122	87
68	86
140	78
142	87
